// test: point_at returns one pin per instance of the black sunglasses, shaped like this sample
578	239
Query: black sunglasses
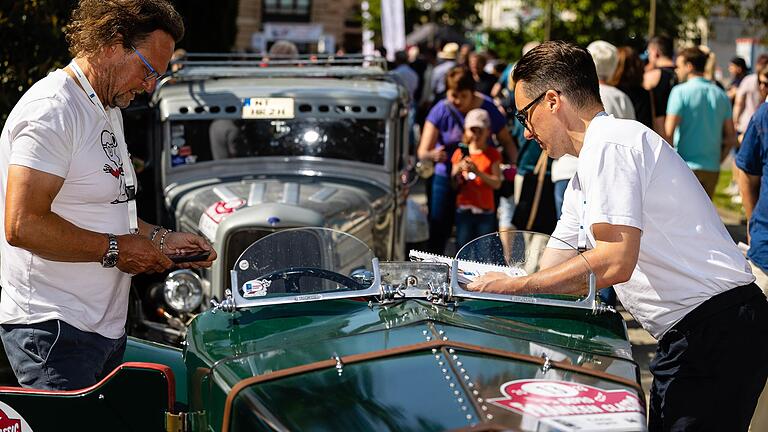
522	115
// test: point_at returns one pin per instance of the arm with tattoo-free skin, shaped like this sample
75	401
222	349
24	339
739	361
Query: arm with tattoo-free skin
30	224
612	261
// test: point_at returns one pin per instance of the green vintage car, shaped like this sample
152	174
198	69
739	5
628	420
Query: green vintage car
316	334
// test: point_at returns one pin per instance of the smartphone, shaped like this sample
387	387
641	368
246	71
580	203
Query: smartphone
190	256
464	150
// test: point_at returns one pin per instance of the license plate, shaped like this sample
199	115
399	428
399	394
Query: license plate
268	108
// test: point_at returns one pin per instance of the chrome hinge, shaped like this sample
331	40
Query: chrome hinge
186	422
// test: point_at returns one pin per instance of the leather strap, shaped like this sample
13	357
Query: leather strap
405	349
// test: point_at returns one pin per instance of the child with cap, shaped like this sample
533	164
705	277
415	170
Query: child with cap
476	173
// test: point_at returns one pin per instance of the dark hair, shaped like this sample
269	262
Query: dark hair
663	44
96	23
458	79
695	57
629	70
562	66
738	61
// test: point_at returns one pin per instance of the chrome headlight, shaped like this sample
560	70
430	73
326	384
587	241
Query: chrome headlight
183	290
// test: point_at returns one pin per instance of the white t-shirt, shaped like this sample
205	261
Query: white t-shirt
630	176
56	129
616	103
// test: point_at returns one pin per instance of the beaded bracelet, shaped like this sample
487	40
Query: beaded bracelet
155	230
162	239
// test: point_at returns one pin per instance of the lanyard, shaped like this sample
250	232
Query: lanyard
127	172
582	242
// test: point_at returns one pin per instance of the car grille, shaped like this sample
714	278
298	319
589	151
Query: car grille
238	241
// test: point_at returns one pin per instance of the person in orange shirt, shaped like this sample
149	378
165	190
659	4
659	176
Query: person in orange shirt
476	174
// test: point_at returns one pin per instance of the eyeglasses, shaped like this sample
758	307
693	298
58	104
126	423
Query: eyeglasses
152	74
522	115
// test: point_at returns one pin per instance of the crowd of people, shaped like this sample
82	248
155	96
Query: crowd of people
490	174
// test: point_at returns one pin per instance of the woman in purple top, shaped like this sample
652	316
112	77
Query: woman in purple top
442	133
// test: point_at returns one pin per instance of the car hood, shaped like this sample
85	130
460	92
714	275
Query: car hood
273	202
405	367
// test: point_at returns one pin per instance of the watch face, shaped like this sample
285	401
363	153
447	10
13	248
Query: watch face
109	260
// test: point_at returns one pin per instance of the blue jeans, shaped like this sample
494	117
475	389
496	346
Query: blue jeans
470	226
560	187
442	208
53	355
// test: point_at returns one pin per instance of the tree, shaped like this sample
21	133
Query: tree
33	44
32	32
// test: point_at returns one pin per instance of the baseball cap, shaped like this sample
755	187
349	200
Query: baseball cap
478	117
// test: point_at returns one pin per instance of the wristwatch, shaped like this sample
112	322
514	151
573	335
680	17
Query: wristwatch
110	258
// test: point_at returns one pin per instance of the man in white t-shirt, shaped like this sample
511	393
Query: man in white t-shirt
651	232
72	237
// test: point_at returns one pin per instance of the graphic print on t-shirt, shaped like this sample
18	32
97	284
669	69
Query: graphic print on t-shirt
115	167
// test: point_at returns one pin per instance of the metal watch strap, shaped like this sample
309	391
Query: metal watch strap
110	257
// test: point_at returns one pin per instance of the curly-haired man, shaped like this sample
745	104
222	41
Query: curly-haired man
72	237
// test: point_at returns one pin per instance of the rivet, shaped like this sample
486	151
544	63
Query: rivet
463	370
489	416
463	407
461	400
475	392
424	332
480	400
441	332
451	350
466	377
437	356
445	337
429	338
456	392
445	370
458	364
451	385
440	363
448	377
469	416
485	408
455	357
470	384
434	350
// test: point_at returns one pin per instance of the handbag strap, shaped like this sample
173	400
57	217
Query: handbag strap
541	170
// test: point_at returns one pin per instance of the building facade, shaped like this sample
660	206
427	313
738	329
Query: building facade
313	25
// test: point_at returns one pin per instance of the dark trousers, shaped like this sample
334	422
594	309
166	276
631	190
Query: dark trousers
53	355
711	366
442	209
470	226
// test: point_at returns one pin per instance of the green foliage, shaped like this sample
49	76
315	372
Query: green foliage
459	14
583	21
34	43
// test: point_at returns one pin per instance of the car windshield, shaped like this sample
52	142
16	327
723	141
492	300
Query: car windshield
352	139
302	264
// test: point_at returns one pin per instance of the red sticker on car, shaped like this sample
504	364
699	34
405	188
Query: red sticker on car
573	406
11	421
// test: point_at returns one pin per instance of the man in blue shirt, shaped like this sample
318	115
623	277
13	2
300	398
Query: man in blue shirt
752	167
699	120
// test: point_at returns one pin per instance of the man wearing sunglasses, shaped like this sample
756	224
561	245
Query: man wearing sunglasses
648	228
67	191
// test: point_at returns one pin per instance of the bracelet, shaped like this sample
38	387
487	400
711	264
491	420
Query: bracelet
155	230
162	239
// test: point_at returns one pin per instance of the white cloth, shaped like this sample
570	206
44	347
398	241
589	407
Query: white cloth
749	90
437	81
630	176
408	77
56	129
616	103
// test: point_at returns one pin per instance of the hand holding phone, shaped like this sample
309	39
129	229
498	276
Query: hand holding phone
190	256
